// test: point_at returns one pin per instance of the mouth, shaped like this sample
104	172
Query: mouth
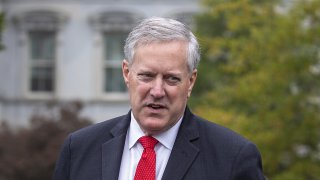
156	106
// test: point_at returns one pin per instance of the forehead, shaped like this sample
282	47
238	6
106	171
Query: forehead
167	49
168	54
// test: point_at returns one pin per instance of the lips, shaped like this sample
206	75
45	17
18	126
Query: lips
156	106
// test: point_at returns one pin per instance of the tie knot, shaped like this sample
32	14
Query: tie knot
148	142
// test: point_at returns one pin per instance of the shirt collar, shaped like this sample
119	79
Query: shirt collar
166	138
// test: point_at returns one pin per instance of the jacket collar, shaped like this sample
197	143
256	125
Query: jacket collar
184	151
113	148
181	158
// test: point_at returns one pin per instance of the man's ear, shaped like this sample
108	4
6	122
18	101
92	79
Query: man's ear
125	71
192	81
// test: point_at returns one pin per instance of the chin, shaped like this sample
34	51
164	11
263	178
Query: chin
151	128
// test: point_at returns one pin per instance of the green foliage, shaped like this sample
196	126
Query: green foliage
30	153
259	75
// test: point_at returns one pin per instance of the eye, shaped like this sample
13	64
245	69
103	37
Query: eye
173	80
146	77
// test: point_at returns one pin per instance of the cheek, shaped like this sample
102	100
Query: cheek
176	95
182	95
138	90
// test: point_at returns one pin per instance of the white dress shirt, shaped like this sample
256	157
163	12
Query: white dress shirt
133	149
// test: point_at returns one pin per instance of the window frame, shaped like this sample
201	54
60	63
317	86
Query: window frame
109	22
113	63
38	20
42	62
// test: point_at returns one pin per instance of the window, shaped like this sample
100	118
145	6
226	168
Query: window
113	48
39	31
112	28
42	58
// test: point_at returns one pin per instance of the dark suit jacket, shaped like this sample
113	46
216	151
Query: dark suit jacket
202	151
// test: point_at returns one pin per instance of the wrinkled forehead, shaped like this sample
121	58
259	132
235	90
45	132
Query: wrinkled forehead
146	43
163	49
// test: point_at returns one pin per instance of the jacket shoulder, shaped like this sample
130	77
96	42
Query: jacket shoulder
218	134
100	131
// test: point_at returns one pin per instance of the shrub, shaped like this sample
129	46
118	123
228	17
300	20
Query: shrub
31	152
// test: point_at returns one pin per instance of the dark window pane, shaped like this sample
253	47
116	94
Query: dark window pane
42	45
114	43
42	79
42	55
114	81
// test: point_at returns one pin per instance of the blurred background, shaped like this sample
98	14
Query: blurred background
60	70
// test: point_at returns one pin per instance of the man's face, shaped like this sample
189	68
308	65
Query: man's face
159	84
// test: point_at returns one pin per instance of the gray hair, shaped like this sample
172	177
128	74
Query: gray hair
158	29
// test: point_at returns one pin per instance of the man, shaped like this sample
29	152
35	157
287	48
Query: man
161	57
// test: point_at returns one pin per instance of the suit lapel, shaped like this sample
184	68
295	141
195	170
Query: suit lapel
112	150
183	152
181	158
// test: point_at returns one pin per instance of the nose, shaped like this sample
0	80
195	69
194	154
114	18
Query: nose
157	90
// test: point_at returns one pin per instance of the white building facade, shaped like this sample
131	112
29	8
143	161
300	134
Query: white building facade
63	50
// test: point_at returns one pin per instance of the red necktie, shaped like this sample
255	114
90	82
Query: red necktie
146	169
